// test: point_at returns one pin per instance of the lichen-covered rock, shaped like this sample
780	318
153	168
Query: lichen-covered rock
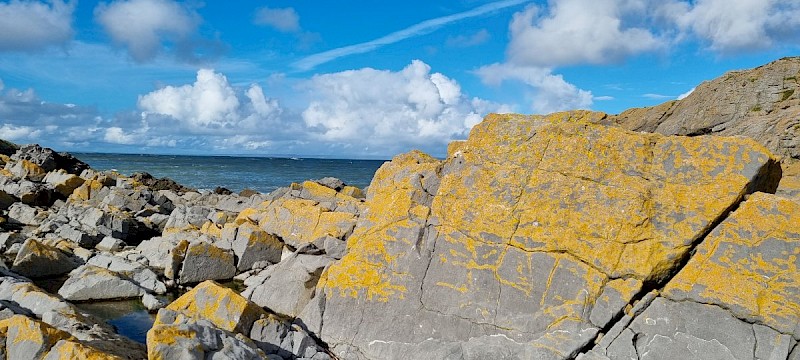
25	338
90	282
253	245
204	261
27	170
513	241
64	183
195	341
35	260
749	265
69	349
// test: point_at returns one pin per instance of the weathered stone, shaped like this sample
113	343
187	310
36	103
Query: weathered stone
252	245
26	338
6	200
204	261
216	304
287	287
133	271
27	170
23	214
63	182
519	232
616	294
48	159
152	303
90	282
334	247
757	249
110	244
36	260
69	349
685	330
194	341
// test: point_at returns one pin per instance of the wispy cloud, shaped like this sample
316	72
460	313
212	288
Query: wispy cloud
422	28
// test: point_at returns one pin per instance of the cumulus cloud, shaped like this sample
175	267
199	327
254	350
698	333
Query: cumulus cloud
576	32
33	25
477	38
282	19
144	27
736	26
550	91
379	108
210	106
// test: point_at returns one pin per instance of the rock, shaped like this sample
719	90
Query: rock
332	183
35	260
110	244
25	338
23	214
756	248
133	271
248	193
252	245
334	247
27	170
6	200
68	349
220	306
287	287
90	282
194	341
760	103
7	239
281	338
28	192
204	261
159	184
152	303
8	148
48	159
63	182
511	241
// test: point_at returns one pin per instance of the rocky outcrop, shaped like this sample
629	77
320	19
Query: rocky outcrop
531	237
761	103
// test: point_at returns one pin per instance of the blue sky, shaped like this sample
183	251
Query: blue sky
353	78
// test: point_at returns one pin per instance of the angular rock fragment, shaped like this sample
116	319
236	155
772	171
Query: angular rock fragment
287	287
35	260
90	282
204	261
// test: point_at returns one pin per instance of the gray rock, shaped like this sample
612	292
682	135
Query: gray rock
10	238
133	271
23	214
770	344
183	217
204	261
152	303
195	341
335	248
287	287
6	199
110	244
280	337
36	260
252	245
64	183
90	282
78	236
31	193
616	294
331	182
684	330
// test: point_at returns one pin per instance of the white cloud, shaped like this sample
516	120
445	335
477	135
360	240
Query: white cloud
282	19
146	27
421	28
551	92
657	96
477	38
736	26
603	98
391	110
33	25
17	133
576	32
210	106
116	135
684	95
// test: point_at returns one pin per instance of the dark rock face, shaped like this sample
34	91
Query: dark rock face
157	184
49	160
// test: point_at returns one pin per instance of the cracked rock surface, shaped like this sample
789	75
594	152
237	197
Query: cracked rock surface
531	238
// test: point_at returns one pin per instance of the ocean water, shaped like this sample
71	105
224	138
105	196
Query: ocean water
263	174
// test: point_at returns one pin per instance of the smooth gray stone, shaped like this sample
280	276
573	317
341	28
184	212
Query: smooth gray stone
35	260
204	261
91	282
288	286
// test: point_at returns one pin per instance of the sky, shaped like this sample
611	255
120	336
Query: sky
353	79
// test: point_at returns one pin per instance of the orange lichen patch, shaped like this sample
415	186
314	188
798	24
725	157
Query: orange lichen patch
629	204
161	337
221	306
293	219
351	192
749	264
335	224
247	215
317	191
85	191
72	350
211	229
370	269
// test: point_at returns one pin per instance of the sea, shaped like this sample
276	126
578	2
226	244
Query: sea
263	174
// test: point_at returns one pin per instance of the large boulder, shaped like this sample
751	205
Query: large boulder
203	261
49	160
35	260
253	245
510	244
25	338
90	282
287	287
736	298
